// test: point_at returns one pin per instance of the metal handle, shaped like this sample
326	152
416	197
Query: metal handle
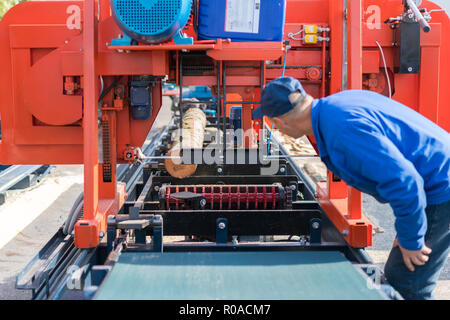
423	23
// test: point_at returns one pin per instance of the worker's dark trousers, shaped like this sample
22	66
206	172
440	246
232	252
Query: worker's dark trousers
420	283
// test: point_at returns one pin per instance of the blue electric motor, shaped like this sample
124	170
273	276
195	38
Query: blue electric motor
151	21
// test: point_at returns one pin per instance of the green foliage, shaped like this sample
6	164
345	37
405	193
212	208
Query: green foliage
5	5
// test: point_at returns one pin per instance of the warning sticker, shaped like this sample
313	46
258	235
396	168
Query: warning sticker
243	16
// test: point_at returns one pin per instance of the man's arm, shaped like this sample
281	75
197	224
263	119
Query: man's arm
369	154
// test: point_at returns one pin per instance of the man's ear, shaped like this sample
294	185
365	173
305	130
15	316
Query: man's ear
278	122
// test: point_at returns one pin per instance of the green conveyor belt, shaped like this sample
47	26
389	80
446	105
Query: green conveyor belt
235	276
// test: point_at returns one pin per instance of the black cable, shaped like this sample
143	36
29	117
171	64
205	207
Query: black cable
105	92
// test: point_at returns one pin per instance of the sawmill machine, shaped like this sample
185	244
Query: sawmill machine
81	83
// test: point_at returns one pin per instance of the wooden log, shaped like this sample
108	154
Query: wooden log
192	137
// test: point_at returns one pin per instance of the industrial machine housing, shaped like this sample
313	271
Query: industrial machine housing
82	83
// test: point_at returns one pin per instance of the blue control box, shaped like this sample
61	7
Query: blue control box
241	20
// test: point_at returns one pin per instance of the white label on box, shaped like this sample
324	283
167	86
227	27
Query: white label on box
243	16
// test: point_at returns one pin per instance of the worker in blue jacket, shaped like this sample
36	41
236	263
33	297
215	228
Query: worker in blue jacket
389	151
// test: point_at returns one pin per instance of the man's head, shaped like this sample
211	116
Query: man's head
287	105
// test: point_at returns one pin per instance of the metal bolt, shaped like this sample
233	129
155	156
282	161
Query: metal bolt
282	169
202	202
102	234
219	170
315	225
410	69
156	188
66	42
302	240
344	232
221	225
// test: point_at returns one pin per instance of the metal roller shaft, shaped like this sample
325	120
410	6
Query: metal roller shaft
423	23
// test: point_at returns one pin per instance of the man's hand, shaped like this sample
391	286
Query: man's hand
411	258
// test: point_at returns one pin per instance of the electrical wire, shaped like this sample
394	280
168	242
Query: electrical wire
437	10
385	69
284	62
74	214
102	82
291	35
104	93
298	39
271	129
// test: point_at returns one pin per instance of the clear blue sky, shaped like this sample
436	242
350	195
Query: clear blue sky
445	4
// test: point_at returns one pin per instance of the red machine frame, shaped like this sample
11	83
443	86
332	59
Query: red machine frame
50	85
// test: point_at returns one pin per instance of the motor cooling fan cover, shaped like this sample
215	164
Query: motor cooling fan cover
151	21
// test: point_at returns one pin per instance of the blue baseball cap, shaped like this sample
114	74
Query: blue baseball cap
275	97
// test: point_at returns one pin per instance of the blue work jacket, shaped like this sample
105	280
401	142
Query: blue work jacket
386	149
